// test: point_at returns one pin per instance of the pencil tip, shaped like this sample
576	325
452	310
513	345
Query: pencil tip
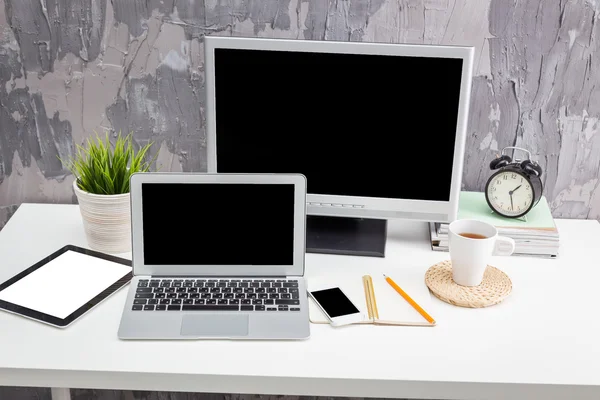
385	275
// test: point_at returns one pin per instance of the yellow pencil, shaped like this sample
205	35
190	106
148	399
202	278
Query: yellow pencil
408	298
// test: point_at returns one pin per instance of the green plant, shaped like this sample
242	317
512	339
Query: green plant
102	168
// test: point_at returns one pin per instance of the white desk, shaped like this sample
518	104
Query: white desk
543	342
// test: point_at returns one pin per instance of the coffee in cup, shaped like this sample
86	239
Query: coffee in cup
472	243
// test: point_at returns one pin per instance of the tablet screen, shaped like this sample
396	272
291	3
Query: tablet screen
64	284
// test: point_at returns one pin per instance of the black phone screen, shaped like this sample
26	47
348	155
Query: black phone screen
334	302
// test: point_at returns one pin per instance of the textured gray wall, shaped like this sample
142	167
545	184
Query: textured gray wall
68	68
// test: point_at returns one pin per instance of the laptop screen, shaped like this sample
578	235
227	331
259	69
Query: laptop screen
218	224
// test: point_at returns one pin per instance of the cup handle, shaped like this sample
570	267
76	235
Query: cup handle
505	246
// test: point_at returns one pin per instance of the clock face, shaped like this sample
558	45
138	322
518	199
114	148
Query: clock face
510	193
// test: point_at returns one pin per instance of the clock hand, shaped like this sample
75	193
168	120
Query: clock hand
511	203
515	189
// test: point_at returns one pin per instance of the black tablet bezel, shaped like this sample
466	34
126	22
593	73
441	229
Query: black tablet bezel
50	319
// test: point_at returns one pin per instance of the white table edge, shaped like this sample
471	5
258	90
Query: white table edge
270	385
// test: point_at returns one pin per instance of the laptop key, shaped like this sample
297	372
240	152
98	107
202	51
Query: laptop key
290	284
171	295
286	296
144	296
222	301
287	302
263	296
295	309
152	301
210	308
271	309
160	296
137	308
188	301
257	301
174	308
295	296
170	290
282	290
181	290
154	284
160	307
148	308
182	296
211	301
199	301
272	290
234	301
247	308
269	301
176	301
259	308
246	301
165	301
194	295
140	301
274	296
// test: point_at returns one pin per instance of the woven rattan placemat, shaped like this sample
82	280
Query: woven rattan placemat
494	288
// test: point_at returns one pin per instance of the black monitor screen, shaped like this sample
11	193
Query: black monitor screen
218	224
354	125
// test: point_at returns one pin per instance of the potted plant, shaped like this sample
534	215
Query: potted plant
102	172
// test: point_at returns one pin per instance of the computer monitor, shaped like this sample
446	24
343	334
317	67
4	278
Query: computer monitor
377	129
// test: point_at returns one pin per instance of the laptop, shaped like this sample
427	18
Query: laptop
217	256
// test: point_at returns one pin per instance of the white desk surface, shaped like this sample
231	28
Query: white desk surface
541	342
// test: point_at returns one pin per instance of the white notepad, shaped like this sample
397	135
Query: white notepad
392	308
63	285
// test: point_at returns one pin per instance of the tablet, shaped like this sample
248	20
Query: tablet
65	285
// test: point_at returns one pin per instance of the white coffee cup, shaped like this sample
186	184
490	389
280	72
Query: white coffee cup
470	256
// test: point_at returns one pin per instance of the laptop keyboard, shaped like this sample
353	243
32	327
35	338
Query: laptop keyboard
217	295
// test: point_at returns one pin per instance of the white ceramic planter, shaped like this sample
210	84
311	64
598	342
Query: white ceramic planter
106	220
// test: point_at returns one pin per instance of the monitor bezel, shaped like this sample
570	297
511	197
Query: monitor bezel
137	225
355	206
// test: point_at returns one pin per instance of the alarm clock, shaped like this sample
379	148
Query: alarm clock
516	186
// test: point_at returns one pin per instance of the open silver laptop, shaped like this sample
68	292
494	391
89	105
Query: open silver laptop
217	256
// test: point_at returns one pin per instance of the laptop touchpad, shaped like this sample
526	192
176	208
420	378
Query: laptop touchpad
214	325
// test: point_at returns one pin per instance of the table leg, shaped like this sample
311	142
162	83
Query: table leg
61	394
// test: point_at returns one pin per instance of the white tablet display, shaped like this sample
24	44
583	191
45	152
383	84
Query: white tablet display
61	286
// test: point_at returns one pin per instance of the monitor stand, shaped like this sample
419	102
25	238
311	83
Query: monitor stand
346	236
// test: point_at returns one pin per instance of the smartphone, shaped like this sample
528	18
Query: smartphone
338	308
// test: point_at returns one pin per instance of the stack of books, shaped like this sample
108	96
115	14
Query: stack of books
534	235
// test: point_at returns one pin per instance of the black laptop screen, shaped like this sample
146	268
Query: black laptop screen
218	224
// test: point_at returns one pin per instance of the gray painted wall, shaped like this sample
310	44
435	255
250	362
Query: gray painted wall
68	68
